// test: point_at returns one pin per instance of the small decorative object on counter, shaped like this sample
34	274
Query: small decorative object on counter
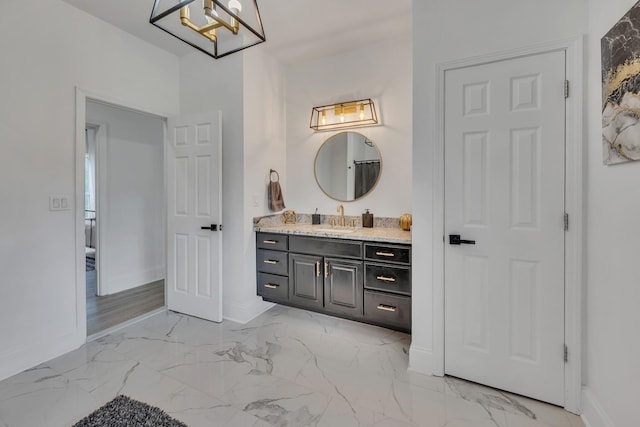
315	218
289	217
367	219
405	222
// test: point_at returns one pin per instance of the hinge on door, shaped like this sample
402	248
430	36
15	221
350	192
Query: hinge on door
566	353
566	89
566	221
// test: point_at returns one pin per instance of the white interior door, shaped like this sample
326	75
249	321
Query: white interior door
504	190
194	183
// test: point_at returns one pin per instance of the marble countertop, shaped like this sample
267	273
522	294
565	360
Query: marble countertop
379	234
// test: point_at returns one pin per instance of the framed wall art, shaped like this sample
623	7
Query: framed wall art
621	89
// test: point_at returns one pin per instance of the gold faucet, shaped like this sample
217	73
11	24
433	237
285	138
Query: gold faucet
341	210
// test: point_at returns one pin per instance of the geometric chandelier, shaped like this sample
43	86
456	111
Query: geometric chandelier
211	26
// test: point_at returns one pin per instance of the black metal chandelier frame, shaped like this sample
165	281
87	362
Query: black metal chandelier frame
154	18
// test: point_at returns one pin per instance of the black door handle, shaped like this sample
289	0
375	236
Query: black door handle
454	239
212	227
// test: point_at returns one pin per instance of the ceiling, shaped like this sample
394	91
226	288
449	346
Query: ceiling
296	30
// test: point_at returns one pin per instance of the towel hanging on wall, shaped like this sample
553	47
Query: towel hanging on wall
276	201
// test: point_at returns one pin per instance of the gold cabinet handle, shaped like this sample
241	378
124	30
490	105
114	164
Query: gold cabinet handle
271	286
270	261
270	242
386	308
387	254
326	270
318	269
386	279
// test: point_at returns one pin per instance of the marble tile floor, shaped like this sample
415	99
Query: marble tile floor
287	367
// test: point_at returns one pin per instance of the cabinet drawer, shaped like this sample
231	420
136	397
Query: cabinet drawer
388	253
388	278
277	242
273	287
386	309
328	247
273	262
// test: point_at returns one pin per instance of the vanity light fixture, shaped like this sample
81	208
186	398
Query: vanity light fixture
344	115
214	27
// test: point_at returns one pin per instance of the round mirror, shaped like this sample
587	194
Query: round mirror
347	166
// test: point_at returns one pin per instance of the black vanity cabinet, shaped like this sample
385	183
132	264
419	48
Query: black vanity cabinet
387	283
272	266
331	283
337	277
327	274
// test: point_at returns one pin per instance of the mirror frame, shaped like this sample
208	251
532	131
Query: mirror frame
315	174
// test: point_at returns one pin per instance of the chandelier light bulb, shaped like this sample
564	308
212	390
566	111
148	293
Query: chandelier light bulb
210	19
235	6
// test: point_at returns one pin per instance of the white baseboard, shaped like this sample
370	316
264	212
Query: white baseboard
27	357
421	360
245	312
593	414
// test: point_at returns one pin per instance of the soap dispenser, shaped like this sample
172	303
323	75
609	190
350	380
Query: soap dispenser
315	217
367	219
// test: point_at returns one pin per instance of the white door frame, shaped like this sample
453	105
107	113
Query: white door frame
574	177
81	116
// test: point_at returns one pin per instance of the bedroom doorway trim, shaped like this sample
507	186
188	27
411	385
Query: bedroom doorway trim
82	96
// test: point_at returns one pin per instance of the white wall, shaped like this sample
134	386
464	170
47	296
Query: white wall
382	72
444	31
210	85
264	145
612	346
248	89
40	70
131	198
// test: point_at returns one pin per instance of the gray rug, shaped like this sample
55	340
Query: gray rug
126	412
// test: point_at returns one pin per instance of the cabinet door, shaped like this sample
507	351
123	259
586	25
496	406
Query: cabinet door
343	285
305	280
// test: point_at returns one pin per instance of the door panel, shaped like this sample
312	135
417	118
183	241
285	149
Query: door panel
476	303
504	189
475	178
343	286
305	280
194	200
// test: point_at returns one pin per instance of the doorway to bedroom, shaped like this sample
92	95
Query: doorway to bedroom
124	215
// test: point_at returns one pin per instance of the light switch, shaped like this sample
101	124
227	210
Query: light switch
59	203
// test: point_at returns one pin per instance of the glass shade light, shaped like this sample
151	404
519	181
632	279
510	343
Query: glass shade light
215	27
344	115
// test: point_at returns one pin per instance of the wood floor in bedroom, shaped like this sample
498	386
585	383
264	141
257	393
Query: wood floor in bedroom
111	310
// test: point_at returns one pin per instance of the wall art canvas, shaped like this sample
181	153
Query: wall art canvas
621	89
